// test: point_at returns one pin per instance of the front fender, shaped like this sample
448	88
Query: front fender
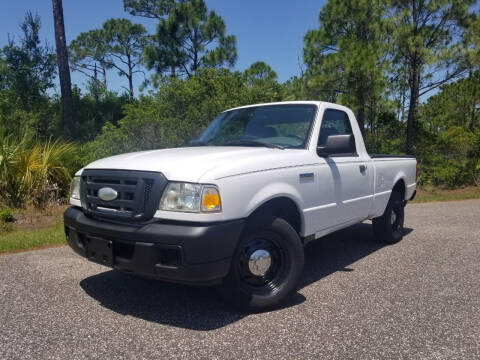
271	191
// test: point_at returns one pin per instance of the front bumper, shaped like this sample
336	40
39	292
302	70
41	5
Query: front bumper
180	252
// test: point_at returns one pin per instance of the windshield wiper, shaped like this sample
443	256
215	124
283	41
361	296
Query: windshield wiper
254	143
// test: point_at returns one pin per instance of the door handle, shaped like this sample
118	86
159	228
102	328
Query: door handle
363	168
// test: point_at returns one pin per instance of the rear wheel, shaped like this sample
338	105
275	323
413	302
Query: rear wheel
266	268
388	228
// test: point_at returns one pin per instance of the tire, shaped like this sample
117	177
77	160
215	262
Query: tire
245	287
388	228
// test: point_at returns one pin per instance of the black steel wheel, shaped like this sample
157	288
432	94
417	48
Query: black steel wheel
266	268
388	228
262	263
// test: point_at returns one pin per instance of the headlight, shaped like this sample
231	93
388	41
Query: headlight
188	197
75	188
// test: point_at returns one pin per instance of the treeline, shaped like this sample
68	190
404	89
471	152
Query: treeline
408	69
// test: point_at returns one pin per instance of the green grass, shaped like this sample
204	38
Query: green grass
18	240
435	194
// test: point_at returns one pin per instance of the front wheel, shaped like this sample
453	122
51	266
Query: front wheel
388	228
266	268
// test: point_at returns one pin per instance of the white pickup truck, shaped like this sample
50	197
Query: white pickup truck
236	206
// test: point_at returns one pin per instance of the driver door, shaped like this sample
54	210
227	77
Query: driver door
349	172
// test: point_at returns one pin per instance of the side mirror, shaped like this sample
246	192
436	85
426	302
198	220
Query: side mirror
337	144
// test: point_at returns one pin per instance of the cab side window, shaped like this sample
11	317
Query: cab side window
334	122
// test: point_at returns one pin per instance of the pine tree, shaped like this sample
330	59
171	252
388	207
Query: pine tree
425	37
346	56
63	69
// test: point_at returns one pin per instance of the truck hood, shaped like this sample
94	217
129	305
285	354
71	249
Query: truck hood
203	164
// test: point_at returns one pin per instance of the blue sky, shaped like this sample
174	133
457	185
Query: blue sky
267	30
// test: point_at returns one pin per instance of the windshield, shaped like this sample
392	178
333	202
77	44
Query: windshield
282	126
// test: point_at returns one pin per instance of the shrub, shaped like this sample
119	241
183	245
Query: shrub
33	172
6	216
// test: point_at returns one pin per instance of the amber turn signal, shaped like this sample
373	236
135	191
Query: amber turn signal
210	199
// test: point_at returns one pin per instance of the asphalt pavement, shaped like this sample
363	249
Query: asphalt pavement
418	299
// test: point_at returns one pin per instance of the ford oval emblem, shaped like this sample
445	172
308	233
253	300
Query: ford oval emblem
107	194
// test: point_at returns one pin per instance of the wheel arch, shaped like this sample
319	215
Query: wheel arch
400	186
282	206
381	200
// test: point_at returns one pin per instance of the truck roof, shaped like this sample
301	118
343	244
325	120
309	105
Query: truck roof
303	102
